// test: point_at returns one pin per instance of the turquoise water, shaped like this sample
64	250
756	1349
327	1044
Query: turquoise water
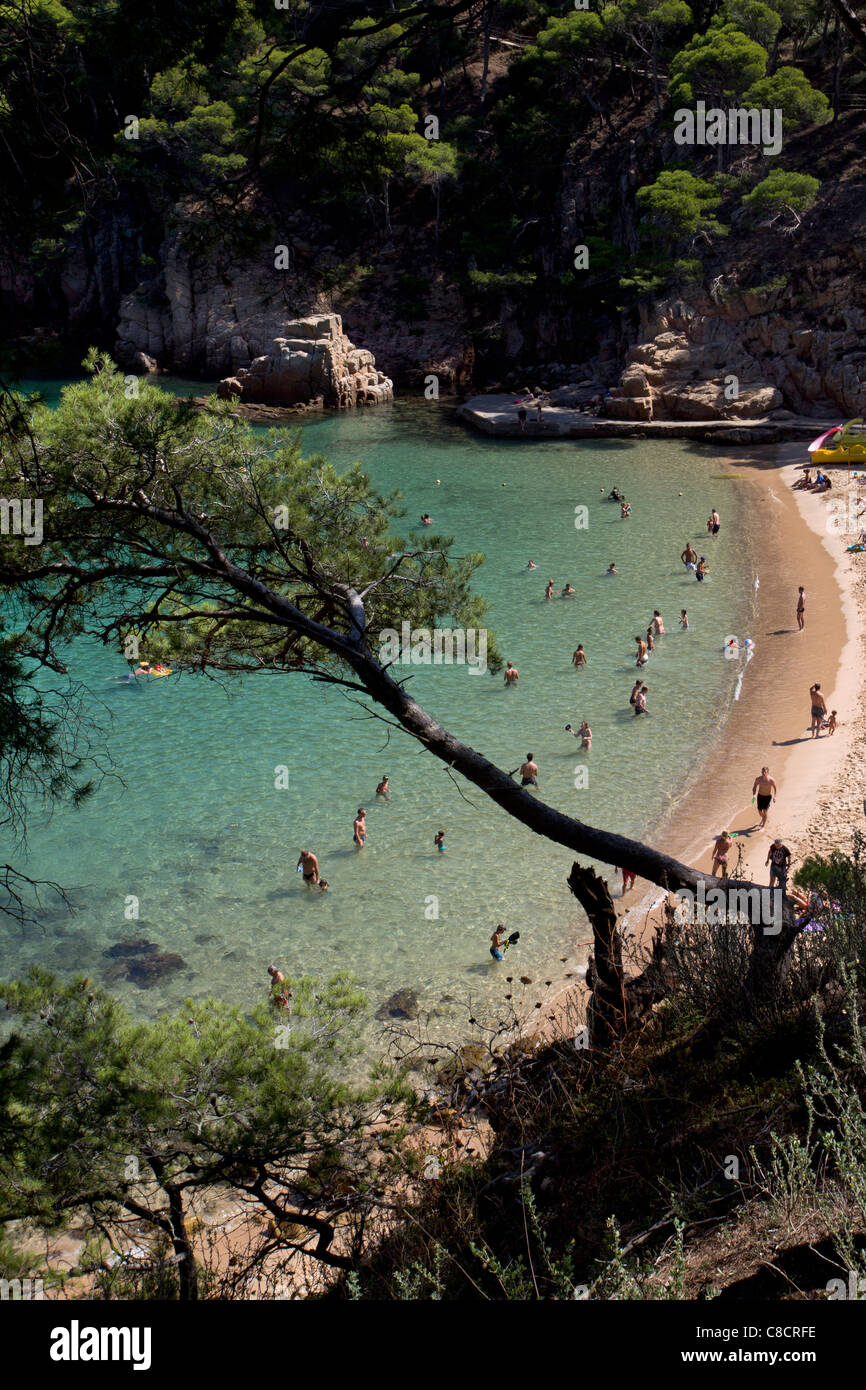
195	828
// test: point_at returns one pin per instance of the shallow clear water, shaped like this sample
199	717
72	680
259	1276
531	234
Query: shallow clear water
200	835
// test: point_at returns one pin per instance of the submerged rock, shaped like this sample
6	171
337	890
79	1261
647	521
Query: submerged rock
151	968
402	1004
137	947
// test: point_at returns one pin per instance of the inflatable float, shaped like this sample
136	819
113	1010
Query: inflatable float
841	444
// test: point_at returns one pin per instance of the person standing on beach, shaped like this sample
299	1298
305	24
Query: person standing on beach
765	789
779	859
511	674
801	608
720	853
819	709
579	658
521	418
628	878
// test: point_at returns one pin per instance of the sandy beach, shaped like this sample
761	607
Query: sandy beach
820	780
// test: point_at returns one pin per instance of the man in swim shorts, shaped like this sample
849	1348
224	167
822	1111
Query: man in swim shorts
689	556
819	709
801	608
714	523
641	652
497	941
765	789
360	828
628	878
529	773
309	866
640	701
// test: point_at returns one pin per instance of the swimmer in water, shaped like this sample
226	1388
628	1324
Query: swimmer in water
636	691
511	674
641	652
585	735
650	642
323	885
689	556
359	830
612	569
625	509
497	941
640	701
426	519
384	789
528	772
579	658
657	623
684	619
567	592
279	997
549	590
702	569
531	566
309	865
439	841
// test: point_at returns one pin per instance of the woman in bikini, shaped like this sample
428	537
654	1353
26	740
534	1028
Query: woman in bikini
720	853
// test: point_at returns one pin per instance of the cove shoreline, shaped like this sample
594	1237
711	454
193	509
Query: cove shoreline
768	725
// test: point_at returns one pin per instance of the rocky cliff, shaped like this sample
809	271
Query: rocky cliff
731	353
314	360
217	321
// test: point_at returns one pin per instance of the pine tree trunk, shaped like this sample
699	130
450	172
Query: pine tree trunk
606	1014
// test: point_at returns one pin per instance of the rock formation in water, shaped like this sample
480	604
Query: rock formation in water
313	360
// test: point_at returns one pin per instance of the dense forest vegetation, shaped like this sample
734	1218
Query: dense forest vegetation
477	141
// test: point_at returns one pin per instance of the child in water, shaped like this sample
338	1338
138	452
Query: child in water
439	840
497	941
684	619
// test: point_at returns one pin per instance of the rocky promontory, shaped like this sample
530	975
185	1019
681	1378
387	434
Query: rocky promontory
313	360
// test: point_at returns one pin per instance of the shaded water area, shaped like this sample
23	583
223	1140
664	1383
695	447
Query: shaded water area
195	828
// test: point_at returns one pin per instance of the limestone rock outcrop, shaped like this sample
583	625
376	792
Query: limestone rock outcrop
732	354
198	318
313	359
